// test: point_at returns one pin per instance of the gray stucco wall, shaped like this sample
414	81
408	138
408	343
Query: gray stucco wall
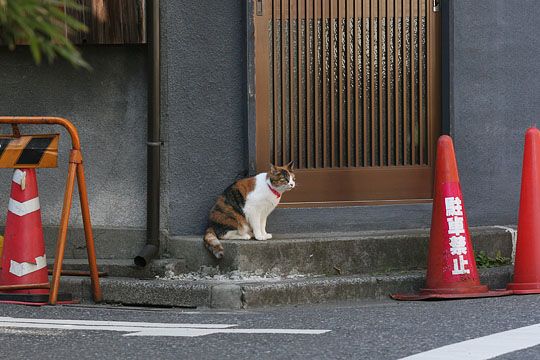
108	106
204	92
495	86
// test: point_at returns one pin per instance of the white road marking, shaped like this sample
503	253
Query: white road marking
486	347
145	329
108	323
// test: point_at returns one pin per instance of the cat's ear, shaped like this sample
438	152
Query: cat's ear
290	166
273	169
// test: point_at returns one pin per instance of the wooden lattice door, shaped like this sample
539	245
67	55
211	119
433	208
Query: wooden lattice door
349	90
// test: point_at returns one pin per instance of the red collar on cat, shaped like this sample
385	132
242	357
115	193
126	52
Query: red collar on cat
278	195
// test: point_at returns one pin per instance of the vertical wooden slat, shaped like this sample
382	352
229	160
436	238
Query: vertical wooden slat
381	9
302	91
341	40
350	37
317	90
263	63
434	80
341	115
429	75
404	60
278	79
365	38
284	19
276	15
334	51
397	13
389	13
372	10
292	80
421	12
356	81
304	161
324	13
413	86
333	9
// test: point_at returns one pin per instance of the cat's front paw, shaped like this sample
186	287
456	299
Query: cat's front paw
267	236
260	237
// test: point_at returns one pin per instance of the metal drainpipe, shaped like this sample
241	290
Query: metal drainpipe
151	249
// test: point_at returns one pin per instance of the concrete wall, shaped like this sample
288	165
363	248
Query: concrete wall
108	106
204	105
495	87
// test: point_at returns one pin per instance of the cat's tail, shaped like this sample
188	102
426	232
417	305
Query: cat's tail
212	243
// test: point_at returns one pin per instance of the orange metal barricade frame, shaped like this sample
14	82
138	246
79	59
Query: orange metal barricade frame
75	169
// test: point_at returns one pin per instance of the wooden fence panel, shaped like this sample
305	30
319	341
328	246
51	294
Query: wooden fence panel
111	22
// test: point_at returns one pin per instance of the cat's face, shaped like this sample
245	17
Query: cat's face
282	177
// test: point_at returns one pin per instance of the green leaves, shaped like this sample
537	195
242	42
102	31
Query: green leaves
483	260
43	25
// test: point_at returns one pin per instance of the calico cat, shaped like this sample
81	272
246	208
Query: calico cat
240	212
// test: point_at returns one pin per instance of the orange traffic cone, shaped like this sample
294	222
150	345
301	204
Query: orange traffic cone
527	262
451	272
23	259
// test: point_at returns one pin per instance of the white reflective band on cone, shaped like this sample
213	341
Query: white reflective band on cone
23	208
19	177
22	269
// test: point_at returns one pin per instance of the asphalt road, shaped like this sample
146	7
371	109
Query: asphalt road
362	330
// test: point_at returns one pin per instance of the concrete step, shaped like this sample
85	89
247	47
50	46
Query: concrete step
253	293
126	267
329	254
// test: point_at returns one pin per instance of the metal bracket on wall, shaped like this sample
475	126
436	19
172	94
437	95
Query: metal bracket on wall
436	5
259	7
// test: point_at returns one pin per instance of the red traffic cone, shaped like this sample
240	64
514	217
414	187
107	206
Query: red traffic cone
451	272
23	259
527	263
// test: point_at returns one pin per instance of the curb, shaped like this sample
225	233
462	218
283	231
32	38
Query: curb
245	294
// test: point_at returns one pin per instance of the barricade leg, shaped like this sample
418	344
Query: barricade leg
90	248
62	232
